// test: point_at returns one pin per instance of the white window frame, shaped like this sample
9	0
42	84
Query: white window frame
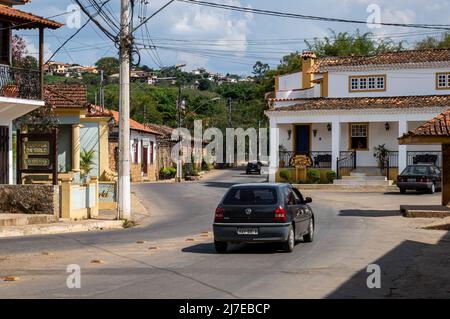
367	83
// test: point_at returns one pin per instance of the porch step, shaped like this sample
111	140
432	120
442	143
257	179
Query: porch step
363	182
364	178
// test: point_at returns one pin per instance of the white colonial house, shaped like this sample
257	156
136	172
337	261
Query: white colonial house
338	109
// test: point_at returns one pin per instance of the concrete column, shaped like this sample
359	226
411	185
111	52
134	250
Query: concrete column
402	149
335	143
274	150
10	154
76	147
446	175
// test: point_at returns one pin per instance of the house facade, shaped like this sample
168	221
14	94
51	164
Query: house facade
78	130
143	147
338	109
21	89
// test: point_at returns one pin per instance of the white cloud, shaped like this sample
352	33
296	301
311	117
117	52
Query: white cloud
33	50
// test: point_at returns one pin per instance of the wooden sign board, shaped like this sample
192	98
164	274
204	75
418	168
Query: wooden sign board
37	154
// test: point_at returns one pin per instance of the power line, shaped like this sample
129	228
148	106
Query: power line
153	15
310	17
75	34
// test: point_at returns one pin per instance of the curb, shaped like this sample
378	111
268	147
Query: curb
347	188
424	212
59	228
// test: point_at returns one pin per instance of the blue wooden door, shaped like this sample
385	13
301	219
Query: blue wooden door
303	138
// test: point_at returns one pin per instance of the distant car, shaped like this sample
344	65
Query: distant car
420	177
254	168
263	213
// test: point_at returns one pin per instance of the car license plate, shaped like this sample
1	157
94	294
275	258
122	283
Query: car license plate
411	180
248	231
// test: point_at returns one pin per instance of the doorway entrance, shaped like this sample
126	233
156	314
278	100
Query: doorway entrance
302	139
4	154
144	160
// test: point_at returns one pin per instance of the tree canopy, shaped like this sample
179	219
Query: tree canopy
109	65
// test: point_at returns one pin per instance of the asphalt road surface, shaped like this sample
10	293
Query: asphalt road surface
171	255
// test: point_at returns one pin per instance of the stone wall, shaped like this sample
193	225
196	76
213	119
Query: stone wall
113	156
136	172
29	199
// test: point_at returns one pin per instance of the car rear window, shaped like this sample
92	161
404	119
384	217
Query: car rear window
417	170
251	196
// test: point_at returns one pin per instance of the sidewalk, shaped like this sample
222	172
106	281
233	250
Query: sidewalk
27	225
63	226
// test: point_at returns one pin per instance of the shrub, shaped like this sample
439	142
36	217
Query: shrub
285	174
331	176
168	173
313	176
206	167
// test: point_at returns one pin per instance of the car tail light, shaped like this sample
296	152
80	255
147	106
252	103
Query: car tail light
280	215
401	179
424	179
219	214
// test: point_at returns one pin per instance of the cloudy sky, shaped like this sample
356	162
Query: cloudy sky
225	41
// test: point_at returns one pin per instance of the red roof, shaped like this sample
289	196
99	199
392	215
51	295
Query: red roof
388	102
66	95
96	111
135	125
25	20
439	126
389	58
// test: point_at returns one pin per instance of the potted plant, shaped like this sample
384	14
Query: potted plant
282	151
381	153
86	163
10	89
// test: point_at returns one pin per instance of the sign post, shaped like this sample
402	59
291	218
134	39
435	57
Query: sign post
37	154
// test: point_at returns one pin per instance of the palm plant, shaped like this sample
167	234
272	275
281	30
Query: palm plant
86	162
381	154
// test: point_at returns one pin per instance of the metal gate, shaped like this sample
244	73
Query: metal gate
4	148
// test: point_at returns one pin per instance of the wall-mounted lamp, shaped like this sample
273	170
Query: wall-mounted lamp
387	126
315	133
289	134
329	127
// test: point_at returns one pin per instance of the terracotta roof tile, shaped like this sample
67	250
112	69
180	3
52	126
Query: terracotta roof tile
416	101
96	110
439	126
399	57
66	96
25	20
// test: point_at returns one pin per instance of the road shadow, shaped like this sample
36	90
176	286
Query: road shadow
369	213
410	270
241	249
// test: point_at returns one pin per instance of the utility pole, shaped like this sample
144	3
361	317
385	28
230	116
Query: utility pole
230	126
102	91
180	153
230	110
125	42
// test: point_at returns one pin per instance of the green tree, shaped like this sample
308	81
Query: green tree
434	43
260	69
204	85
346	44
109	65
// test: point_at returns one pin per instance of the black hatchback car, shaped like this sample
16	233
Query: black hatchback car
263	213
421	177
254	168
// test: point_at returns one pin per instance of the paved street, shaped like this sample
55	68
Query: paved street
354	230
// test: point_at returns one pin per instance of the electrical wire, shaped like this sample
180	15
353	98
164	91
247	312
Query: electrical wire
315	18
